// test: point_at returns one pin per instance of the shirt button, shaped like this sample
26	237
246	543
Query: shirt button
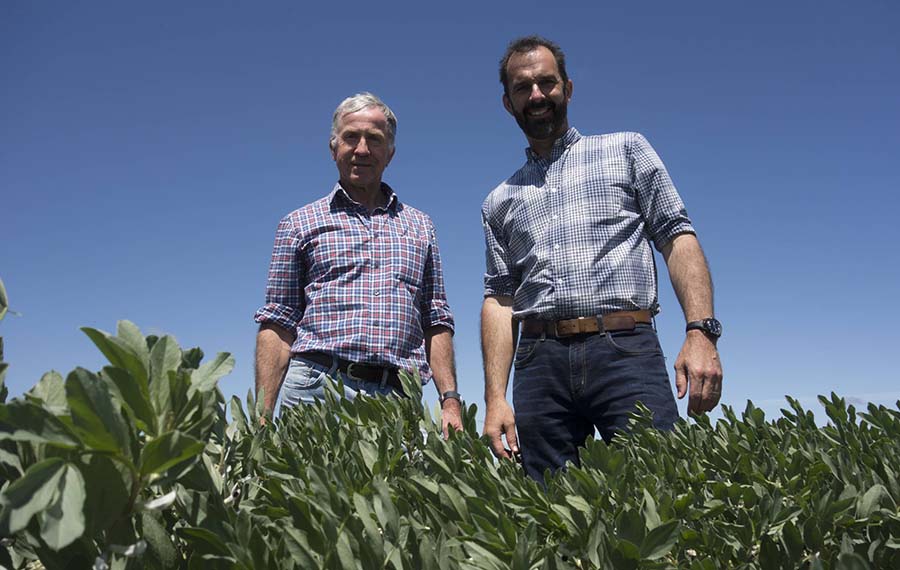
377	293
375	323
555	217
556	246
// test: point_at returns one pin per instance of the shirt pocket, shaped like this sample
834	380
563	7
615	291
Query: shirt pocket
603	188
407	257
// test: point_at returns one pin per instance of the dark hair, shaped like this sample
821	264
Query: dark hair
527	44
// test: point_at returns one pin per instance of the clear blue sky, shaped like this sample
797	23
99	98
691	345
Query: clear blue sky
148	150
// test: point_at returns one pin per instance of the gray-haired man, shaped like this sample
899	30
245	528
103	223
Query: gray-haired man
355	283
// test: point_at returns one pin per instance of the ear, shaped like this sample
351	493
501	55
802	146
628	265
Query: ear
507	104
568	90
390	156
333	148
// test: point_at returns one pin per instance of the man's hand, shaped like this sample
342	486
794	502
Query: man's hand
699	368
499	420
451	415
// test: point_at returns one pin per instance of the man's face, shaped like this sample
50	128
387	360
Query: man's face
537	98
362	149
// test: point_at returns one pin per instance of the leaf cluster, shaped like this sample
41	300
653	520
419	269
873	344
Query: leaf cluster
138	467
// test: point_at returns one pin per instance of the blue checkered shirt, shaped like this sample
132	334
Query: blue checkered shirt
358	285
569	236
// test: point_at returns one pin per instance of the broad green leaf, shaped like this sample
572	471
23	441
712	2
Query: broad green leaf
4	301
4	391
205	378
135	396
651	516
872	500
851	561
119	353
660	540
28	422
164	358
107	493
191	358
29	495
168	450
94	413
159	544
204	540
159	503
63	522
131	336
10	460
50	391
630	526
455	500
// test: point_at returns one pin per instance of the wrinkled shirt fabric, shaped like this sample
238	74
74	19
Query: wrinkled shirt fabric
358	285
570	235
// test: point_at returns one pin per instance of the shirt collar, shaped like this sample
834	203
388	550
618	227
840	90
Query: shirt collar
339	194
560	145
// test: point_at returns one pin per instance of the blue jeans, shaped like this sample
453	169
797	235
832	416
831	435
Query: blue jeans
565	387
305	382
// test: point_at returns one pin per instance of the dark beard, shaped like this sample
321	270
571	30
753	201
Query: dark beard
541	129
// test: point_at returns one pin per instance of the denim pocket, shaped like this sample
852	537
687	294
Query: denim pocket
525	351
303	374
641	340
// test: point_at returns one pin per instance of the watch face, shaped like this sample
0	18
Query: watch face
713	326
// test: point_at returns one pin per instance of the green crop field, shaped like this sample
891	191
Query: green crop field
138	466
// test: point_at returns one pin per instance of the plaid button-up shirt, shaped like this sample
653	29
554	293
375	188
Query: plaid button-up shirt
569	236
361	286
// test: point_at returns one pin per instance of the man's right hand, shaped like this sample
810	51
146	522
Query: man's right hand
499	420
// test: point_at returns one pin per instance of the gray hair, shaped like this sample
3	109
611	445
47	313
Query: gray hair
359	102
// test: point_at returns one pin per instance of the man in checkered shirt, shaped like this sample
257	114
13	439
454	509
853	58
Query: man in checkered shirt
355	283
570	264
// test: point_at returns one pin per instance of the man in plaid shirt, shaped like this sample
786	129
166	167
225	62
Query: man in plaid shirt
569	262
355	284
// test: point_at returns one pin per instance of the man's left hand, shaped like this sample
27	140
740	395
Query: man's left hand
451	415
698	365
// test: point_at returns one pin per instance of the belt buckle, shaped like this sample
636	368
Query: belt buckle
350	371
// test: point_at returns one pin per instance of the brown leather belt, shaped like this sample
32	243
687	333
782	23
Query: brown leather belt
619	321
367	372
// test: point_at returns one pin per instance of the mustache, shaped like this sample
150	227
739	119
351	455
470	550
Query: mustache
539	106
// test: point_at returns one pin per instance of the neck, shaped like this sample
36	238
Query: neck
370	197
543	147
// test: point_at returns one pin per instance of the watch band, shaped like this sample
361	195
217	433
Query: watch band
710	326
450	395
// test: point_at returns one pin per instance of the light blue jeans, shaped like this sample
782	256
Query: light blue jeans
306	381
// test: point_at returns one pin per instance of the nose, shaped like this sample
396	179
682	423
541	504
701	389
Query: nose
362	147
536	93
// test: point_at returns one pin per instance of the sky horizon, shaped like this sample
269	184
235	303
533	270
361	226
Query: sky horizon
148	152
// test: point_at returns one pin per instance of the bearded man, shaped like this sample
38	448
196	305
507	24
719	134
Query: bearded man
569	263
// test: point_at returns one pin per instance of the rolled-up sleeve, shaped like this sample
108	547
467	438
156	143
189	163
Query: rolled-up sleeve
284	288
661	206
498	279
435	309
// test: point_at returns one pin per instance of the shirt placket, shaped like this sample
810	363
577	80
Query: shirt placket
555	245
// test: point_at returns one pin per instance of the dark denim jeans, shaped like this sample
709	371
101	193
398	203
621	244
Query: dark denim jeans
564	388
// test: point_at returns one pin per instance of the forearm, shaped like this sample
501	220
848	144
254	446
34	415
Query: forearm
498	341
439	350
273	354
690	276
